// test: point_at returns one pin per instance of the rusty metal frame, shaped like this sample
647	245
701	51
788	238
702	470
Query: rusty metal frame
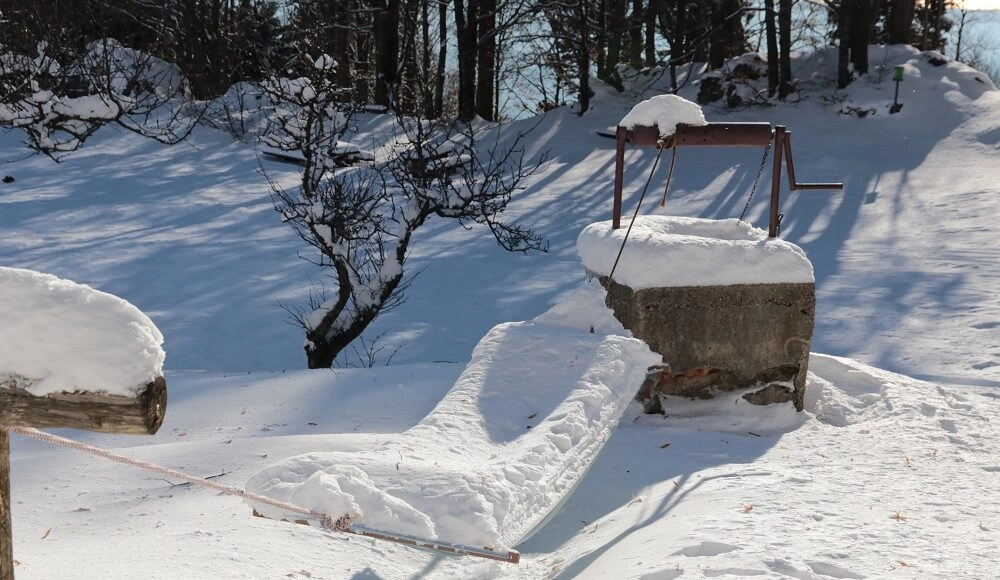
716	135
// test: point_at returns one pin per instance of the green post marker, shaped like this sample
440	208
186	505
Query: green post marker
897	75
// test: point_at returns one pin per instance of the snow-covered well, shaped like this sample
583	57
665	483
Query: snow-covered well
726	306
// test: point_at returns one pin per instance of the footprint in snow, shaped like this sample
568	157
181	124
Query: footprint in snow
832	570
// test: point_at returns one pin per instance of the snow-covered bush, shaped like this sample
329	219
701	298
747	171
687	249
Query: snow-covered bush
241	112
742	82
60	105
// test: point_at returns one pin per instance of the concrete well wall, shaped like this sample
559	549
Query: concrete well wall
720	338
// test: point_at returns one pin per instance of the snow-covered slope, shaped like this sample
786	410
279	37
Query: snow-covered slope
882	476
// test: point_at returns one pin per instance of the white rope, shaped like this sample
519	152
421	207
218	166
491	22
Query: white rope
341	524
166	471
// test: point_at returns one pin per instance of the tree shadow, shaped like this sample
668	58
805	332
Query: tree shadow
616	480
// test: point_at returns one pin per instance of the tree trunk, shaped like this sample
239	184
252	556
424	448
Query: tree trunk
583	55
899	21
386	29
409	90
442	59
614	33
773	71
635	40
785	41
861	35
343	58
652	8
486	60
426	94
699	35
363	67
6	538
938	9
466	20
844	43
717	42
678	42
963	15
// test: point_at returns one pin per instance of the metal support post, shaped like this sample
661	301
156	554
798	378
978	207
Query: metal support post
6	538
779	149
621	134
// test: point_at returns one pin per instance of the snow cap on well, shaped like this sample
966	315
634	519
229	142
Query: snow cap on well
670	251
664	111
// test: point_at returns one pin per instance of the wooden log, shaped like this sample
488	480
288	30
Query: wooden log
90	411
6	538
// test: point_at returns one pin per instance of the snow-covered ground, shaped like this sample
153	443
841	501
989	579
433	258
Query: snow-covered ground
881	476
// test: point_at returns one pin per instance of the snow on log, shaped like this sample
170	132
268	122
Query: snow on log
72	356
90	411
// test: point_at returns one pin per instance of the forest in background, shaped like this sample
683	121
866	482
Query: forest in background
465	58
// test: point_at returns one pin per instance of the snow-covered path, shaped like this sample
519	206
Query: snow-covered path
501	450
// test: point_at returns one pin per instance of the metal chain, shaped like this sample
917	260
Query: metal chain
756	182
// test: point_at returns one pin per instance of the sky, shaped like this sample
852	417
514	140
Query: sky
982	4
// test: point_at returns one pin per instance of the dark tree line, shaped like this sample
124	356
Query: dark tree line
858	23
396	53
214	42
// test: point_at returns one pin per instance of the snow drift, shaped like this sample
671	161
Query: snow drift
501	450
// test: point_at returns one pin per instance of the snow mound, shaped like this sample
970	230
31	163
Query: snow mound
346	489
671	251
665	112
64	337
502	450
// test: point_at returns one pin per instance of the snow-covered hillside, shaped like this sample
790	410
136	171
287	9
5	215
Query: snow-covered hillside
881	476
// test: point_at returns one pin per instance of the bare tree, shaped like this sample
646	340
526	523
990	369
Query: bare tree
974	47
361	220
